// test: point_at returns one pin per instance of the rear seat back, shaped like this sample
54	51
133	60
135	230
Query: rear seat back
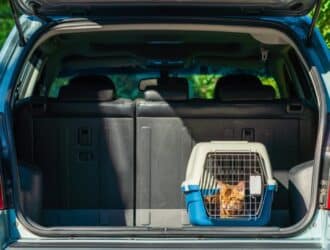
167	130
84	143
163	148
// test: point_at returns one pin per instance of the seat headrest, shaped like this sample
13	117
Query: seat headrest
88	88
242	87
173	89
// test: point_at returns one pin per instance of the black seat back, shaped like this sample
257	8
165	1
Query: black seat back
84	144
167	131
242	87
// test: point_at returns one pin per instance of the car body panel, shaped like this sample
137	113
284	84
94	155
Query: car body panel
315	236
4	228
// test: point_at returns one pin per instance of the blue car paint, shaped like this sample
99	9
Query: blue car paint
316	55
198	215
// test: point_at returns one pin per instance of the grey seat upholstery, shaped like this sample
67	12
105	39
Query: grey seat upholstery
163	148
84	144
166	131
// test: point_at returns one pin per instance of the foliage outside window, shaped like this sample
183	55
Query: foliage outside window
6	21
200	86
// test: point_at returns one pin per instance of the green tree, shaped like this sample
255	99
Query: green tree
6	22
324	21
202	85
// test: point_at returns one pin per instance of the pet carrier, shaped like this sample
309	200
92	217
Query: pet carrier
229	183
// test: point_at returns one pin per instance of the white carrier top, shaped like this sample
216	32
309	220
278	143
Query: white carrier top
201	150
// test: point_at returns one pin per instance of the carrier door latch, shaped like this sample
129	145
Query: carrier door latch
248	134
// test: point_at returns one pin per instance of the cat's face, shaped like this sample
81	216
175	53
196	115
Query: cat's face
231	198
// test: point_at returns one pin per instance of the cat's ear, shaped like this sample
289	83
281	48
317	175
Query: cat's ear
241	186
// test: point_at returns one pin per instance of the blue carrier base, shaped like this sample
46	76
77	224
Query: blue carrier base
198	215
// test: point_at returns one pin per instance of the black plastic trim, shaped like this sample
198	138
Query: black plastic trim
21	37
105	8
316	15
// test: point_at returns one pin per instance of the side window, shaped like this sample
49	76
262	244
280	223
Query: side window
28	78
289	82
300	73
22	81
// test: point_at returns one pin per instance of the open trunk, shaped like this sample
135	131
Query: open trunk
105	121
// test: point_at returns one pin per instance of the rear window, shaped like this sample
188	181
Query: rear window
201	86
126	86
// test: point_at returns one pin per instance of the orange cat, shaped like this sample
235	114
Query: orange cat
212	199
230	199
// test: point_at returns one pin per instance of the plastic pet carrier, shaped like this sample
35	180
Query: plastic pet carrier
229	183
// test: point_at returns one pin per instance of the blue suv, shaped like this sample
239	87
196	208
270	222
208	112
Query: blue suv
103	102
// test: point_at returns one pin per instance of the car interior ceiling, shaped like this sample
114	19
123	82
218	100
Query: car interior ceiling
90	157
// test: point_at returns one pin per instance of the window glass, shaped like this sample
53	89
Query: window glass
27	80
56	86
301	75
202	86
270	81
127	85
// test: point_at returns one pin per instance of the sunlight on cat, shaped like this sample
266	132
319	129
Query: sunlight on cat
230	199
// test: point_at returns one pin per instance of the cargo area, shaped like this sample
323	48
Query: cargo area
105	122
